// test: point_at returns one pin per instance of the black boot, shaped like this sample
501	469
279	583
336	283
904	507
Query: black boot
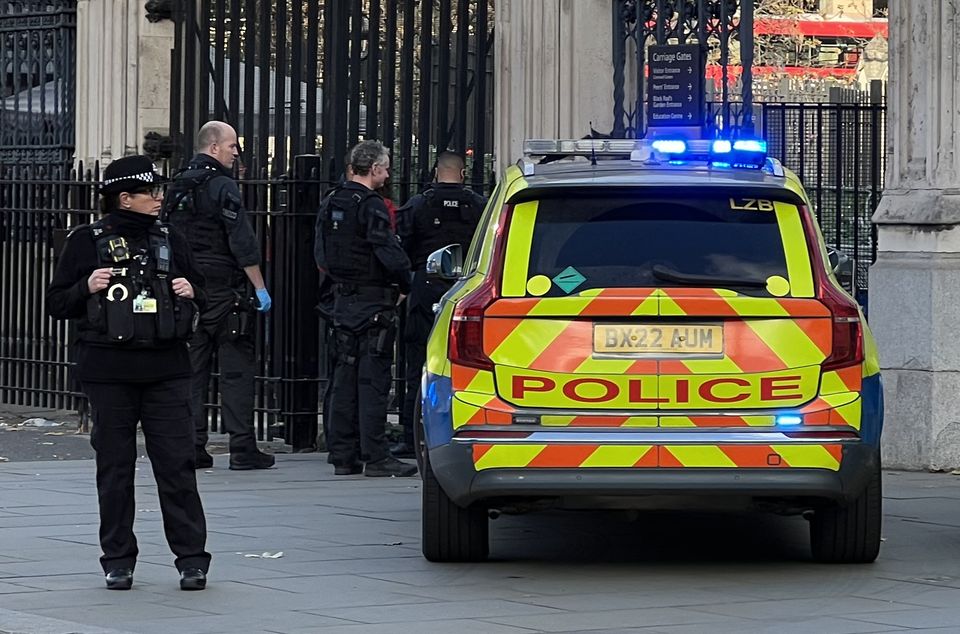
119	579
193	579
204	459
248	460
388	467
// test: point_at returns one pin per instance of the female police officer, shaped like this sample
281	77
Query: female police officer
130	285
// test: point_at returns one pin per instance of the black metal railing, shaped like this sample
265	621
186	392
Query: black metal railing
716	26
37	80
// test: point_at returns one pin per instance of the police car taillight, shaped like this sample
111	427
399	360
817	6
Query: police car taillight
847	344
847	331
466	327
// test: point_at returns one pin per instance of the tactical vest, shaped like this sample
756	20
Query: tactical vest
139	308
450	216
349	256
188	205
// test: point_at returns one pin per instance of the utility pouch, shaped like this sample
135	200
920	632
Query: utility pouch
345	347
166	322
186	318
118	312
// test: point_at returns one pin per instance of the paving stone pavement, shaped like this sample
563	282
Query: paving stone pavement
351	563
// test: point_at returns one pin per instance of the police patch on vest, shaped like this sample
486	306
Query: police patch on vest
230	214
451	203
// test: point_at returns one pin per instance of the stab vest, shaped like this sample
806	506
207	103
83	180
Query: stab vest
348	253
139	308
449	216
188	205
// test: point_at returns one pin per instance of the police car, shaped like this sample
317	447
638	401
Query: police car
647	324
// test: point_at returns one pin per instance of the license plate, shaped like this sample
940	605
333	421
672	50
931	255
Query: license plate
657	339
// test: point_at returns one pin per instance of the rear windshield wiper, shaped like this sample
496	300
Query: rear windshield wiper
669	275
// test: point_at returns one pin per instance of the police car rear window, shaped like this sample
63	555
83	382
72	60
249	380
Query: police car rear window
662	241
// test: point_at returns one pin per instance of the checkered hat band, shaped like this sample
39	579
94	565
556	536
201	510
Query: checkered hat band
146	177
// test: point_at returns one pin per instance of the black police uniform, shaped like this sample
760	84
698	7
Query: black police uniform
356	246
133	364
443	214
204	202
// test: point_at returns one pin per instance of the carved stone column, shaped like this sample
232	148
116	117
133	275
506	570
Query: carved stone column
915	284
123	78
553	73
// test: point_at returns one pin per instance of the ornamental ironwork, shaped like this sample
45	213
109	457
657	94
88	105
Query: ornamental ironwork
723	29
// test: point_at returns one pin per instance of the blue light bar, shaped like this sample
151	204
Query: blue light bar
750	145
721	146
789	419
669	146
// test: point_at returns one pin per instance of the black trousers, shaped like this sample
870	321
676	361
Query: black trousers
361	388
163	410
237	357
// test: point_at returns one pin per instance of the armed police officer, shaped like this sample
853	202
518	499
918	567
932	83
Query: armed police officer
446	212
130	285
359	250
204	202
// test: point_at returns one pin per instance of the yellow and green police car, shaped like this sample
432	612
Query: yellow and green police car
646	324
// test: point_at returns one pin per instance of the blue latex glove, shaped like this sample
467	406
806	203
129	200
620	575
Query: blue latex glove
263	299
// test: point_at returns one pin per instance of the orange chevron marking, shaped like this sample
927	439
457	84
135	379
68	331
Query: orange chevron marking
817	418
642	367
495	417
568	350
819	332
669	366
616	302
649	459
511	307
667	459
804	307
461	376
836	451
497	405
563	456
749	351
852	377
818	404
496	330
479	417
479	451
701	302
752	456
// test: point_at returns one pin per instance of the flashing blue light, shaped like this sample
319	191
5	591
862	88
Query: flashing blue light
721	146
720	164
789	419
669	146
750	145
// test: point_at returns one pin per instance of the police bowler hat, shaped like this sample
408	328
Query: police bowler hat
129	174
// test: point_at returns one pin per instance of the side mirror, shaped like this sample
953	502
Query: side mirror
844	267
446	263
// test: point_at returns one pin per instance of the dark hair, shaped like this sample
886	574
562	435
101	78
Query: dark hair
448	159
109	202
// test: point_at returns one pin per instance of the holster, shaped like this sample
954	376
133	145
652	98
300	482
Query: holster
382	333
345	347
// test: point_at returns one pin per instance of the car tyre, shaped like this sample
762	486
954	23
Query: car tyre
850	533
451	533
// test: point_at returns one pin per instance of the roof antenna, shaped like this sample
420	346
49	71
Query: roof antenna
593	147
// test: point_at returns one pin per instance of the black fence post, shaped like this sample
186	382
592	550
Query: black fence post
301	323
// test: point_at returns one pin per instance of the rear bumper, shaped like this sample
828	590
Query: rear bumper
454	468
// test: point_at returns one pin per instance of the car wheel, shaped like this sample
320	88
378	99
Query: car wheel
451	533
850	533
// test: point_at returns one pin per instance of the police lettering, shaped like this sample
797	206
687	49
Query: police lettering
643	390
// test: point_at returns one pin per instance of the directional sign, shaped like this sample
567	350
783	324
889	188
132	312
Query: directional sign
675	97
